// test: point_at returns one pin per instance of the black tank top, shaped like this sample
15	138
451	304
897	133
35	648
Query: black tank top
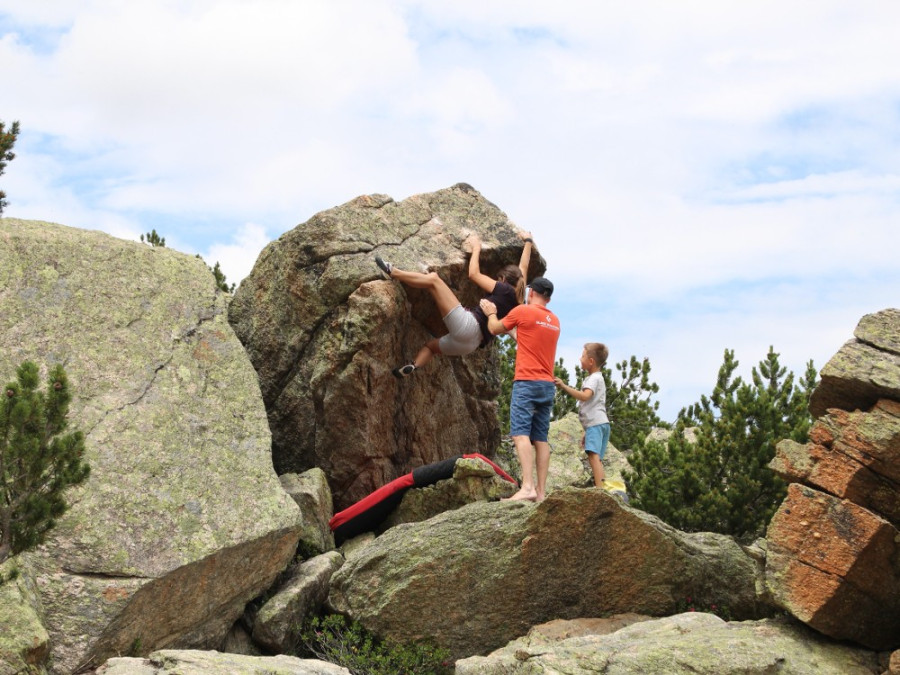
504	297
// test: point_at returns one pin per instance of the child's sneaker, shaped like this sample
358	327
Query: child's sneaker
403	371
384	265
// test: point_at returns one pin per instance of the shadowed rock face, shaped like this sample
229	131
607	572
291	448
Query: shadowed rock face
182	520
324	329
834	565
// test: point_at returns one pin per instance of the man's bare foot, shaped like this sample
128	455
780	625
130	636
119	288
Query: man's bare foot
522	495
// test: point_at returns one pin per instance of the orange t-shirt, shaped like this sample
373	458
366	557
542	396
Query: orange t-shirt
537	331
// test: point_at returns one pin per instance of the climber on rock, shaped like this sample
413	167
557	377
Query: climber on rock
467	326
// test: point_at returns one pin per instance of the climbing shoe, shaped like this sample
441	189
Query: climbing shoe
384	266
403	371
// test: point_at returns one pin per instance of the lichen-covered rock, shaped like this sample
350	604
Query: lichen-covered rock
568	462
182	520
187	662
562	629
854	456
311	493
661	435
278	622
836	566
24	642
685	644
324	329
894	663
474	578
865	369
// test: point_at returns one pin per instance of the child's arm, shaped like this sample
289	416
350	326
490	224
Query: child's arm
583	395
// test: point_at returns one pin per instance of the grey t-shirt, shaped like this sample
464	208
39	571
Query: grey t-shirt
593	411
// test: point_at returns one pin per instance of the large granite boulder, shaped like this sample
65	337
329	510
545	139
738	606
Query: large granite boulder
189	662
689	644
474	578
24	642
833	544
569	466
278	623
312	494
854	456
836	567
182	520
865	369
324	329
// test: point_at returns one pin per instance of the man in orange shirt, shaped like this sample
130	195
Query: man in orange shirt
537	332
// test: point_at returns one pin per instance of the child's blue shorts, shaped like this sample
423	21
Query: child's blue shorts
596	439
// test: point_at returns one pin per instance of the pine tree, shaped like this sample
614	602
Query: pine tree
220	279
154	239
506	357
629	405
563	404
219	275
37	460
722	481
7	141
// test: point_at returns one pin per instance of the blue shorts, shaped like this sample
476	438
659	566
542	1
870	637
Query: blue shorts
596	439
530	408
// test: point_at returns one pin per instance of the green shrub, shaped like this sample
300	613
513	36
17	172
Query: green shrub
721	482
346	643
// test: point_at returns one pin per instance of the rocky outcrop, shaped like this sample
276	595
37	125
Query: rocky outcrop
182	520
323	329
474	578
278	622
833	546
562	629
836	567
854	456
569	465
695	643
24	642
311	493
865	369
186	662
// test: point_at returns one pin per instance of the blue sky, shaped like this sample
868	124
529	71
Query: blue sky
699	176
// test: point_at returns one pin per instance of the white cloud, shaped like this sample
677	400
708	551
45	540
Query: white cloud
236	258
683	156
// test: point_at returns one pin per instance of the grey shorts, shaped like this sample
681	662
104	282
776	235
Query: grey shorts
465	334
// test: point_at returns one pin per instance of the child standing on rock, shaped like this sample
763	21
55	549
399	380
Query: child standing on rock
592	407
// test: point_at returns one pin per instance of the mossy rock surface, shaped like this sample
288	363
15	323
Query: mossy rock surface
183	518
